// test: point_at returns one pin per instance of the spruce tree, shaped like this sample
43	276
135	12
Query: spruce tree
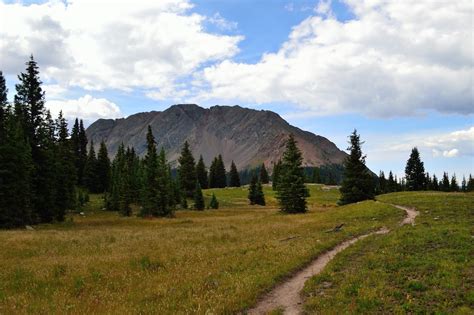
90	170
164	206
103	169
291	190
391	183
201	173
252	190
212	174
150	184
198	198
221	175
453	186
3	107
234	176
434	183
464	184
276	174
316	178
213	204
382	184
470	183
264	178
415	172
259	197
445	185
16	169
187	171
358	183
66	172
82	153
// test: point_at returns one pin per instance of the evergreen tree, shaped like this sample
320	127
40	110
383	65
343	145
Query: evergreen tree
382	183
434	183
214	204
454	184
150	184
276	174
16	168
103	169
234	176
119	198
3	107
470	184
391	183
358	183
198	198
415	172
316	176
66	172
259	197
264	178
201	173
252	189
291	190
90	170
187	171
82	153
445	185
165	200
428	183
217	173
464	184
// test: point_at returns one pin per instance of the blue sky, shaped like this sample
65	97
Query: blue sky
400	73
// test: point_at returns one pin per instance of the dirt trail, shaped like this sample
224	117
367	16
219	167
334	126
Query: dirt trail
287	296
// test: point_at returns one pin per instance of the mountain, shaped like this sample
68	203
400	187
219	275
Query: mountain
247	136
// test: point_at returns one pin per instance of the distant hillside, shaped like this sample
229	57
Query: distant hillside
247	136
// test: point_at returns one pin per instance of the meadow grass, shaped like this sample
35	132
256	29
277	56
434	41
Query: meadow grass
423	269
213	261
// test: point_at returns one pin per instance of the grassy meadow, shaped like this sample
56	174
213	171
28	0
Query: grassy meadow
215	261
423	269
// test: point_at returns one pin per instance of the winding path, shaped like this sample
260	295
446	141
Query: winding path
287	296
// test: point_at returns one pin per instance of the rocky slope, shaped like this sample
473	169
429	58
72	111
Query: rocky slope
247	136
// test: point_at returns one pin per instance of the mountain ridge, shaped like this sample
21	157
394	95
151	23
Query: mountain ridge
247	136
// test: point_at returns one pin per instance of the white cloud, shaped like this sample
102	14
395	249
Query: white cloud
102	44
394	58
451	153
222	23
86	107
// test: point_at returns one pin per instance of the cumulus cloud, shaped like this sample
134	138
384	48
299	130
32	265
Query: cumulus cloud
441	145
394	58
98	44
86	107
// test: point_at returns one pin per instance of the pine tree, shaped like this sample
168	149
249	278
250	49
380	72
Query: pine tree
259	197
150	184
316	176
82	153
454	184
164	206
217	173
103	169
66	172
434	183
201	173
119	198
358	183
252	189
291	190
213	204
445	185
391	183
276	175
198	198
234	176
187	171
470	183
16	169
464	184
264	178
415	172
382	184
3	107
90	170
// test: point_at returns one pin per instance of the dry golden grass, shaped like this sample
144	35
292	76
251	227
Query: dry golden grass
217	261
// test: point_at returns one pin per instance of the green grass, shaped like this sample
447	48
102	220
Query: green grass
423	269
217	261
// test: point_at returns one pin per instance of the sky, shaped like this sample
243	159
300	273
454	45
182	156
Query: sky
400	72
